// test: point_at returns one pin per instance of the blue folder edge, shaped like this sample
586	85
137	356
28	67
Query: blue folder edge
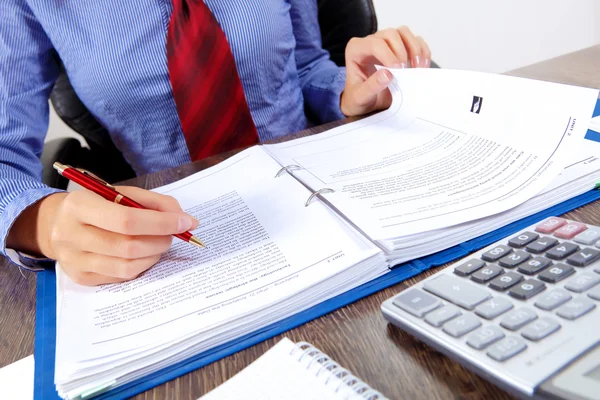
45	332
45	327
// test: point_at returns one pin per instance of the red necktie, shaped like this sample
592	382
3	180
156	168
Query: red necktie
208	93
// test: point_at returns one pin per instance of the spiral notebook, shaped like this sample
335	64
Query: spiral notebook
291	371
282	250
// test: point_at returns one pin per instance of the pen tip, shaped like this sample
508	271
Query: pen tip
196	241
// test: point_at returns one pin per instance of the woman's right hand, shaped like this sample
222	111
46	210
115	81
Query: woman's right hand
97	241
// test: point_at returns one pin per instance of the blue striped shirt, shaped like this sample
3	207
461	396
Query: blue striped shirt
115	55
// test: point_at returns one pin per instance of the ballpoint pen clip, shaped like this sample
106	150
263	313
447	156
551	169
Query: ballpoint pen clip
94	176
61	167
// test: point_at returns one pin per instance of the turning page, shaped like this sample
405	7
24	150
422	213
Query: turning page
264	247
453	147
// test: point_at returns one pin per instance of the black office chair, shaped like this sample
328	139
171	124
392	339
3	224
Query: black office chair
339	21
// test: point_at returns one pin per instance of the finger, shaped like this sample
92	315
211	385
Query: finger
425	51
367	91
92	279
412	45
111	267
394	41
91	209
152	200
370	50
95	240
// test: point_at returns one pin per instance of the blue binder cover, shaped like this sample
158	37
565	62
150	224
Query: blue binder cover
45	332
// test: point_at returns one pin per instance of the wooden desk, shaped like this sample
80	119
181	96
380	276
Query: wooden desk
357	336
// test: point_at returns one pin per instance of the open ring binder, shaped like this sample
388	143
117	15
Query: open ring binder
315	194
287	169
334	370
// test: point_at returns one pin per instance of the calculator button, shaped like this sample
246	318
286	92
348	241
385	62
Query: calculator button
486	274
595	293
541	245
575	308
584	257
534	265
494	307
462	325
507	348
562	250
482	338
540	328
416	302
527	289
505	281
552	299
496	253
588	237
550	225
514	259
457	291
570	230
518	318
469	267
523	239
442	315
582	282
557	273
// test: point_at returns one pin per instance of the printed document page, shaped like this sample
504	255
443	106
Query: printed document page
263	246
453	147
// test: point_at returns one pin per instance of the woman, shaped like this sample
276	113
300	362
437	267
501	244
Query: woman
122	60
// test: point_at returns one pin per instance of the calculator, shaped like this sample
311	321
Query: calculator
523	312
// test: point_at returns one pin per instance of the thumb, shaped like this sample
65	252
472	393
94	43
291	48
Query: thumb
364	96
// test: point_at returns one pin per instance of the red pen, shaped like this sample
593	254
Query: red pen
106	190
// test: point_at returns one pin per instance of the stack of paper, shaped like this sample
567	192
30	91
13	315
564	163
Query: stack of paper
458	154
267	257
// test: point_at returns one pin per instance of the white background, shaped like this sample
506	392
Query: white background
496	35
484	35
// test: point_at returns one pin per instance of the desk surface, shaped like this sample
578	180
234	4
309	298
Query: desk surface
357	336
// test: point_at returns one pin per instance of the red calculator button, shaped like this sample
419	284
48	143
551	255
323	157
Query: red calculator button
550	225
570	230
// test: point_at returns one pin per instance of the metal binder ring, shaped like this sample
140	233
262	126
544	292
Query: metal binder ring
318	192
287	168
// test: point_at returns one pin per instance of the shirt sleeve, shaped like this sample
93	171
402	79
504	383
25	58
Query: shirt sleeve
28	71
322	81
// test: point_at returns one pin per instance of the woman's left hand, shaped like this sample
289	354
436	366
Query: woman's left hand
366	88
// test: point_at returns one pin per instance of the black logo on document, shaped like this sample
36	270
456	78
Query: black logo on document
476	106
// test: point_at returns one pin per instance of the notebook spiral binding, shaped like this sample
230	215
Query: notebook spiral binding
333	369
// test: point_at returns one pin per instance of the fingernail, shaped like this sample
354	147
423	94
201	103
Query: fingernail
399	65
427	63
184	224
417	62
385	77
195	222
